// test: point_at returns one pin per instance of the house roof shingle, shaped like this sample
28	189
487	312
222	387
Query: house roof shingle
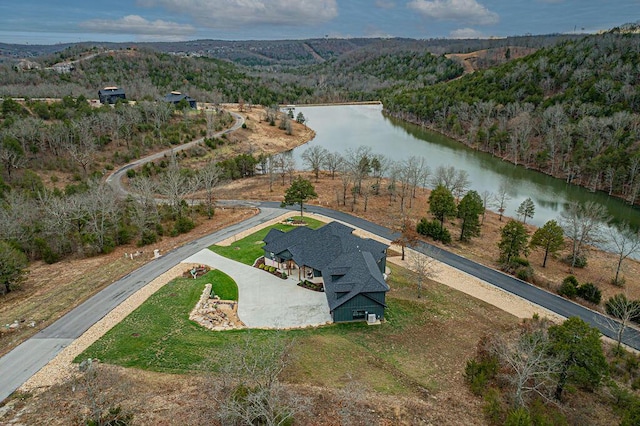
349	264
318	248
353	273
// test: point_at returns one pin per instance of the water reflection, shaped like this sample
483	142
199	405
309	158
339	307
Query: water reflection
339	128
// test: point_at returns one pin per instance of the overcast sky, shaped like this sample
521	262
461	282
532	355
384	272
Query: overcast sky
61	21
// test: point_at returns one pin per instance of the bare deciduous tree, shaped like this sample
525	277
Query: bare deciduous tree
175	186
314	157
333	162
248	390
209	178
529	368
583	223
501	198
624	312
626	242
424	266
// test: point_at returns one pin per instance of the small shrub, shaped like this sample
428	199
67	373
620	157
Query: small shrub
590	292
581	261
569	287
434	230
284	275
519	261
525	273
131	173
148	237
478	373
183	225
261	266
619	283
519	417
492	408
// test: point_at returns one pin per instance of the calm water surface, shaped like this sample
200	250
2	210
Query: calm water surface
341	127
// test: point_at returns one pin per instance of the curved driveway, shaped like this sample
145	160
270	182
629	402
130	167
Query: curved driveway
263	303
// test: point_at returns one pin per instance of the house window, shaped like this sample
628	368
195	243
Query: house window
359	314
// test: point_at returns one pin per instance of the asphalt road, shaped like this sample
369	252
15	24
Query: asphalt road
25	360
115	178
548	300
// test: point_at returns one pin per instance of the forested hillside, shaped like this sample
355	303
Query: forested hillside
144	74
572	111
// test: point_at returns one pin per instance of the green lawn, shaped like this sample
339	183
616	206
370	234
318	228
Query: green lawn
248	249
222	285
404	355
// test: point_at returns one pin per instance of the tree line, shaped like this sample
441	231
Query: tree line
571	111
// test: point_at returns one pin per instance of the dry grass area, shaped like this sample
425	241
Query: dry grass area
53	290
380	209
345	375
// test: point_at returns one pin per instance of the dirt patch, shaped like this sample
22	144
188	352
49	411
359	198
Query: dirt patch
486	58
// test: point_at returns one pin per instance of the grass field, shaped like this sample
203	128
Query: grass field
249	248
422	343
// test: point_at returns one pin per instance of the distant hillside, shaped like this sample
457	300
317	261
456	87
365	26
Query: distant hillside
287	52
572	111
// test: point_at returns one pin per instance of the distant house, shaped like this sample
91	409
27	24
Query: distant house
110	95
350	268
176	97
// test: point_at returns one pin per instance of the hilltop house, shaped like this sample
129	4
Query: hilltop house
110	95
175	98
350	268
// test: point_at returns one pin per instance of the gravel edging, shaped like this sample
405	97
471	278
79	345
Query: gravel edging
61	367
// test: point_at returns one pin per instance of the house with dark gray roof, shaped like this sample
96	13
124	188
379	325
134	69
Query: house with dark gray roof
350	268
110	95
175	98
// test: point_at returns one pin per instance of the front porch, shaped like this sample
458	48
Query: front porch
294	271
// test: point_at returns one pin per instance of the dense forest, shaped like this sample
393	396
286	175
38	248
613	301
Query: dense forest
571	111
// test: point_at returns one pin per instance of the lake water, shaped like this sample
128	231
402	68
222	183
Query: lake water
339	128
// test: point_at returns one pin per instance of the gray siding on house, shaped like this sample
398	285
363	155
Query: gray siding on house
357	309
111	95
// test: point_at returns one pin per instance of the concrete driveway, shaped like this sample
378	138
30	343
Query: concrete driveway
265	301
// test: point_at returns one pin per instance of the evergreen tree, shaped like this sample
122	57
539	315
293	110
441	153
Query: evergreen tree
442	204
13	264
579	348
513	242
300	191
469	210
550	238
526	209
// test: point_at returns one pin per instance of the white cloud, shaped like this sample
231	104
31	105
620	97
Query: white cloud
134	24
466	33
467	11
232	13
